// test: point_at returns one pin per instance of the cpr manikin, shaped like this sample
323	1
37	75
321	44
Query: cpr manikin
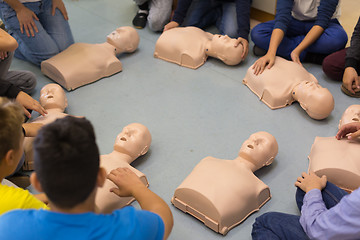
339	160
53	99
287	82
190	47
133	142
222	193
351	114
83	63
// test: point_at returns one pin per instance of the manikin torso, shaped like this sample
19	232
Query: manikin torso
339	160
82	63
183	46
52	115
105	200
221	192
274	86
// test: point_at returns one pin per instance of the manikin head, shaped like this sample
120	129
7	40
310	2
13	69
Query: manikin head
125	39
53	96
134	140
259	149
222	47
351	114
317	101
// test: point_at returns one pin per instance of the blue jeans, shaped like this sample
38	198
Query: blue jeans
274	225
333	38
53	37
204	13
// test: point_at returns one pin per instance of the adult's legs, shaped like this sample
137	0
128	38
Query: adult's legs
280	226
203	13
43	45
334	65
334	38
24	80
331	195
159	15
56	26
227	24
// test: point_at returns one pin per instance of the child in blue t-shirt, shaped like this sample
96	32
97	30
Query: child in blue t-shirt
66	160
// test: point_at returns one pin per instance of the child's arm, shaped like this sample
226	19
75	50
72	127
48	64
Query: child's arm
7	42
31	129
129	184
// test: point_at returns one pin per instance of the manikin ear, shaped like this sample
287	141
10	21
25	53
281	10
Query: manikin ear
270	161
101	177
146	148
35	182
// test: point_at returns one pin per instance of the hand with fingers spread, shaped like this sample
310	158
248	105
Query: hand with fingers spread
245	45
350	130
26	20
310	181
58	4
351	80
29	103
266	61
127	182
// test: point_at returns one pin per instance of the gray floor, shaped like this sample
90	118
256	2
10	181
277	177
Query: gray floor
191	114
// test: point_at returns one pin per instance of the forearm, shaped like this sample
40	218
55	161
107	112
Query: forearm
314	34
15	4
181	11
7	42
276	38
353	52
31	129
151	202
243	18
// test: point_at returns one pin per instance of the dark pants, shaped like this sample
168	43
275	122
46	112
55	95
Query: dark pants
334	65
333	38
275	225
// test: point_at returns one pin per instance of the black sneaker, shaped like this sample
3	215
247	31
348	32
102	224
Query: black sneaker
140	19
259	51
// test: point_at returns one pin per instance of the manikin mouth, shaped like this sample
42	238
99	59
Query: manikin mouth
123	139
50	96
250	146
355	119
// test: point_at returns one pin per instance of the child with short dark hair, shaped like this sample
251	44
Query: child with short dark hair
11	150
66	160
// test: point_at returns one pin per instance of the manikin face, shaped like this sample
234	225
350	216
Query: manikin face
224	48
134	140
260	149
317	101
53	96
351	114
125	39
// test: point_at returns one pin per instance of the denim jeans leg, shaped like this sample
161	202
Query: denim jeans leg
227	24
202	13
57	27
33	49
331	195
279	226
